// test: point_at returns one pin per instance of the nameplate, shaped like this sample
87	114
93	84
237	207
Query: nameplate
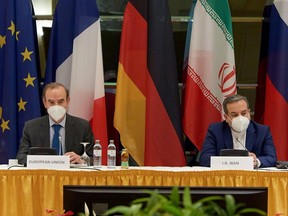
48	162
231	163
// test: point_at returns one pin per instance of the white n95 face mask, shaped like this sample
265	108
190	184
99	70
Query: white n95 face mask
56	112
240	123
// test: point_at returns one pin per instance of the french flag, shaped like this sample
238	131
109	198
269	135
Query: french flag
272	93
75	60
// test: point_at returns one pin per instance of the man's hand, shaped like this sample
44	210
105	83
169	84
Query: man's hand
75	158
255	162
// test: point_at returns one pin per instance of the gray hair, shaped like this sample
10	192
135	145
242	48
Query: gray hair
233	99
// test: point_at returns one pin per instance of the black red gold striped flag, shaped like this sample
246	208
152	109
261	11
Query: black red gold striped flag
147	107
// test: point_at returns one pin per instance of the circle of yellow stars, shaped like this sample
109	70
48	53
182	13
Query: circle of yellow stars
29	79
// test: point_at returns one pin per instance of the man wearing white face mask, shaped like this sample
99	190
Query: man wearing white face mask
72	130
238	131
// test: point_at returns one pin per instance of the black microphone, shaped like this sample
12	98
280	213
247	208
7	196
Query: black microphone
237	139
235	152
241	143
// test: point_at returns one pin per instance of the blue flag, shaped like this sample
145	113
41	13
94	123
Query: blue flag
71	18
19	92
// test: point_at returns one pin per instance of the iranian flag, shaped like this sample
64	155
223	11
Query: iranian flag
210	75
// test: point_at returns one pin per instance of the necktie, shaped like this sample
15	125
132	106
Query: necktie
55	140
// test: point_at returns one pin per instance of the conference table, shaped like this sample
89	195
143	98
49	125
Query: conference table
31	191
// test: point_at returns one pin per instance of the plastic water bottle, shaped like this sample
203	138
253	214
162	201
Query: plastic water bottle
111	155
97	154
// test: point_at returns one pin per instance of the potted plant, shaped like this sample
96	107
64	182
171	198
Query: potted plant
157	204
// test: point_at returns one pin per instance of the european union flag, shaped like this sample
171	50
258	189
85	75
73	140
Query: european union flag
19	87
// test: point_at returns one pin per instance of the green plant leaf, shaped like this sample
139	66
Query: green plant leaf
251	210
141	200
239	206
210	198
194	212
153	201
214	208
160	205
175	197
230	204
124	210
156	208
173	210
187	201
156	199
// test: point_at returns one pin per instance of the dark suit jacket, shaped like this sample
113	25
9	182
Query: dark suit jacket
258	140
36	133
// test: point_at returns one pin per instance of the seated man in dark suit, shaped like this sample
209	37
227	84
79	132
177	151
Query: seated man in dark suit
39	132
238	131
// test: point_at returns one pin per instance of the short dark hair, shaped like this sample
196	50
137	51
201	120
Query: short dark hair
52	86
232	99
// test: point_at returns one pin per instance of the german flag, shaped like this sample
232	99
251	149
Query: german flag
147	106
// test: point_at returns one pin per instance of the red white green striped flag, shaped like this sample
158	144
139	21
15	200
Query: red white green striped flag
211	74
